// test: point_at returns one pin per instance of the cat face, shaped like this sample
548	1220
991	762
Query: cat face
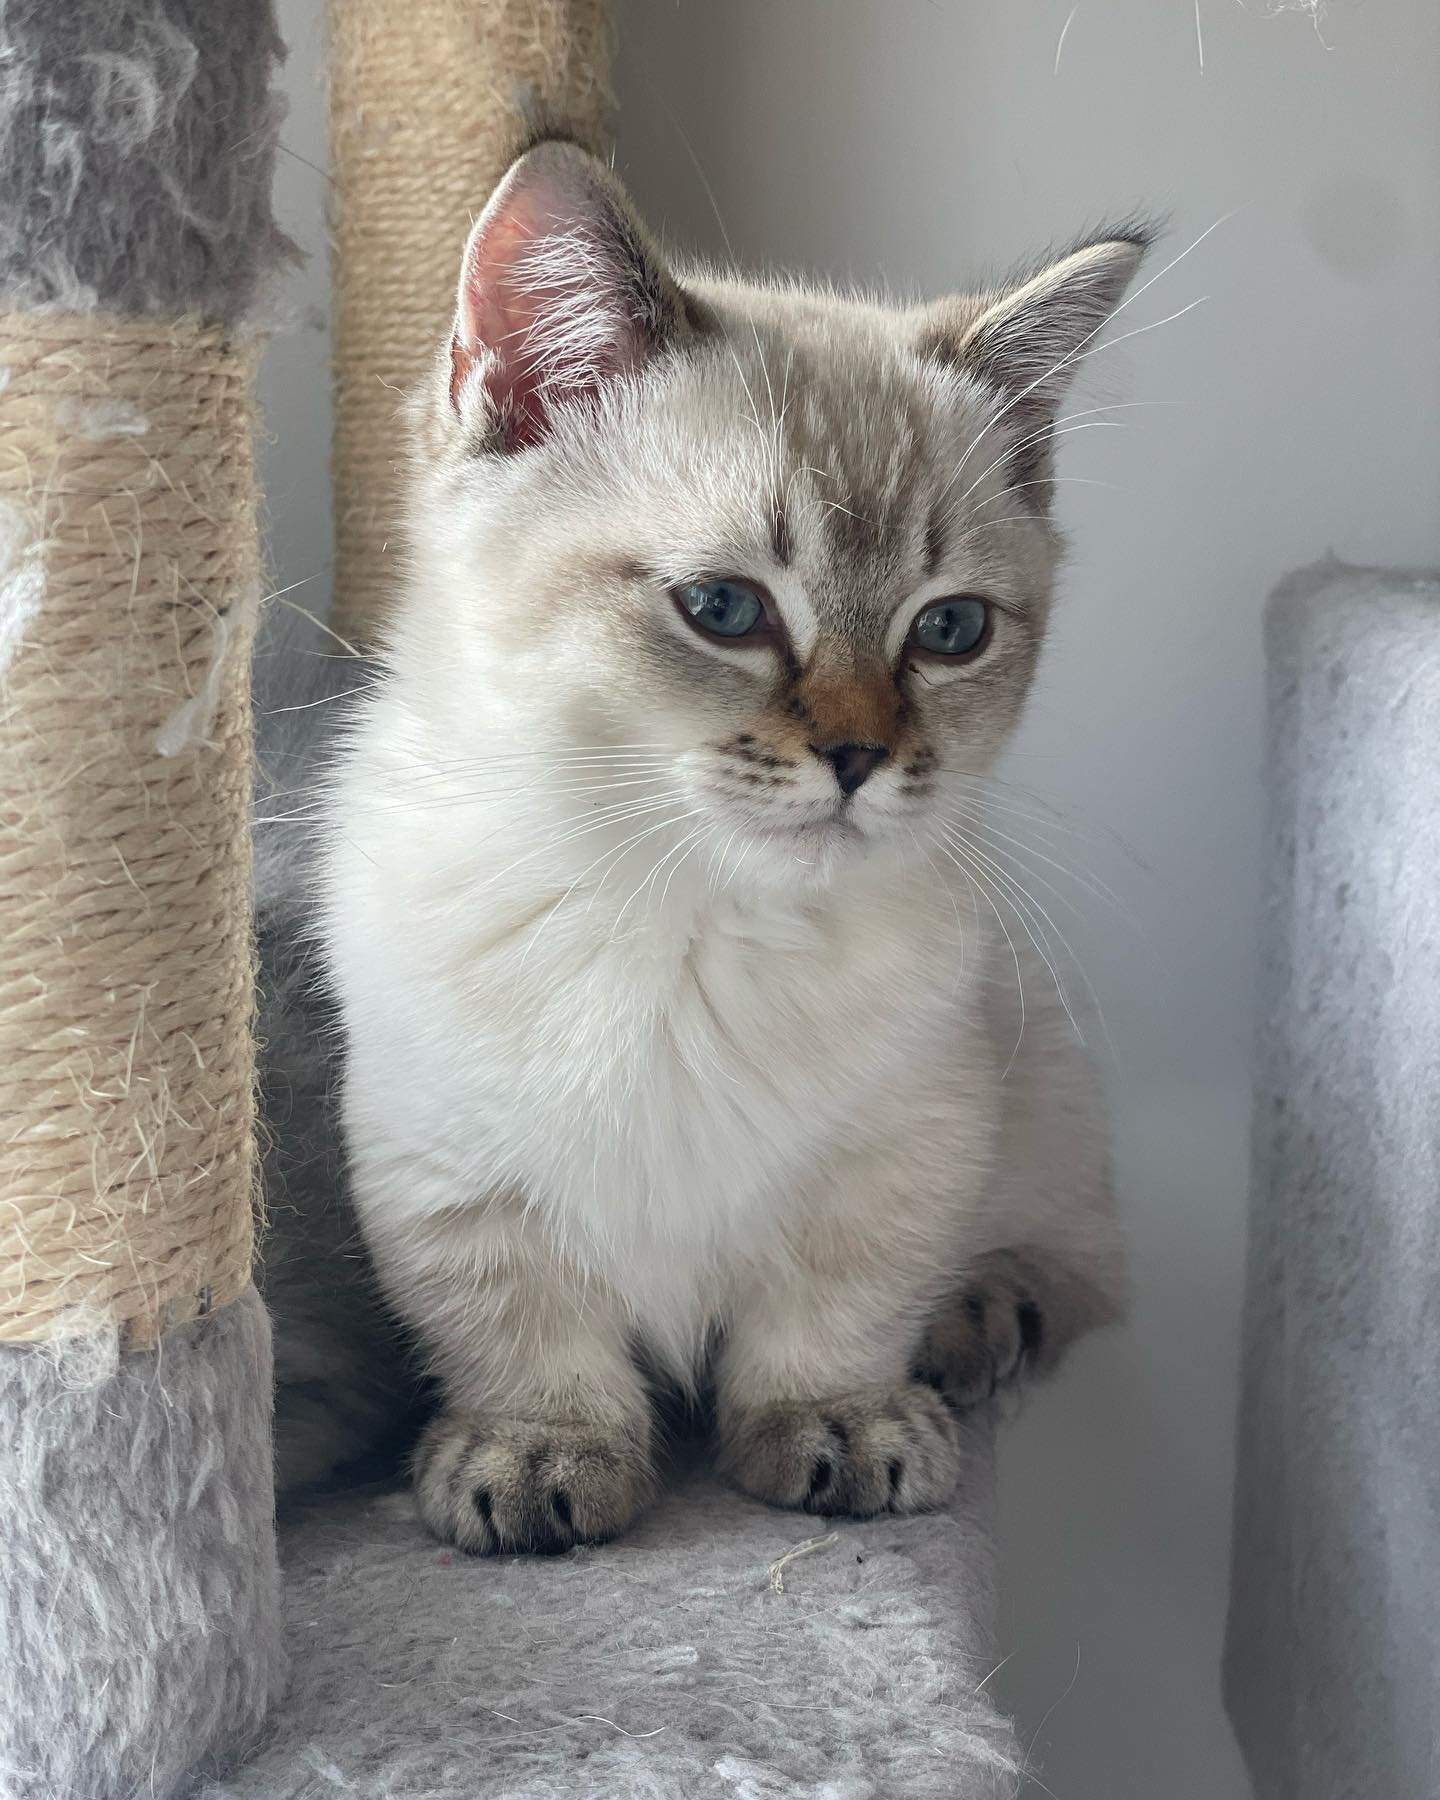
784	555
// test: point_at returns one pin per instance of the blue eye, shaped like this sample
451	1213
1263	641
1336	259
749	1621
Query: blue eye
952	627
726	609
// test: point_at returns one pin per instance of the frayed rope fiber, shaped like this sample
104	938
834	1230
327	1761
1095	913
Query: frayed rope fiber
128	593
428	101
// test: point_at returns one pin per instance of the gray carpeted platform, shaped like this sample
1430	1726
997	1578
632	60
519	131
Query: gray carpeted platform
683	1662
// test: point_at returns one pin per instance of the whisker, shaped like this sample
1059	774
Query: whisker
288	818
305	613
1049	818
971	874
717	862
558	905
1091	883
950	895
1020	518
754	410
578	753
1044	817
407	805
651	878
785	387
700	174
324	700
547	759
1022	910
1075	354
835	506
693	840
574	790
1044	432
422	787
1080	970
414	805
1154	325
770	391
1030	518
639	837
421	783
618	814
1064	33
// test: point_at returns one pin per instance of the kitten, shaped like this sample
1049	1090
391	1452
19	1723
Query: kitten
678	1031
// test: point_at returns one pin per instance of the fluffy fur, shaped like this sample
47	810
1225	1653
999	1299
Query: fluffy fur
346	1393
139	1594
667	1665
137	140
660	1048
344	1384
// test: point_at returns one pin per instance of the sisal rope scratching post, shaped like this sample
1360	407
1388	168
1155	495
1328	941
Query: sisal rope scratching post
126	1062
428	101
139	1622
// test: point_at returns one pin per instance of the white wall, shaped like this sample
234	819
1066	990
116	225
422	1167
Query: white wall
918	142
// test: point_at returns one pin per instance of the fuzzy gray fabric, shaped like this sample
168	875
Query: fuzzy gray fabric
1333	1660
137	138
139	1614
666	1665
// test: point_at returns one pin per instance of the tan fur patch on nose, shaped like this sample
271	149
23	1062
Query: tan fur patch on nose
849	700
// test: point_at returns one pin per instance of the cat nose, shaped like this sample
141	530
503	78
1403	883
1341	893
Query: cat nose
853	763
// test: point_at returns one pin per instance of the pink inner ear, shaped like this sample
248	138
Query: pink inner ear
542	313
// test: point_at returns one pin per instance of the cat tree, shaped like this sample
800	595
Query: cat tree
722	1648
139	1606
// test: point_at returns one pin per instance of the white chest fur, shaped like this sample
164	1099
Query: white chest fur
666	1089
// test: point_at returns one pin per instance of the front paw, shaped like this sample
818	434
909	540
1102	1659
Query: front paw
889	1450
496	1485
988	1333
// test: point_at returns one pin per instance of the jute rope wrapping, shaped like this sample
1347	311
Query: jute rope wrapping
129	578
428	100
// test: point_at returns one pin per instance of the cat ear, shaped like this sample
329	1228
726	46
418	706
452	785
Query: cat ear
1025	342
560	295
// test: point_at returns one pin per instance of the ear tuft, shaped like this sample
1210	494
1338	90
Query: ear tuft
1026	341
560	296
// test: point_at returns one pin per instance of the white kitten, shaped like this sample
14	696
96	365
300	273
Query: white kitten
682	1023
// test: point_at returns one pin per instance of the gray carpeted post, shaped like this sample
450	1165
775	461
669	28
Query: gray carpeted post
1333	1658
139	1603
